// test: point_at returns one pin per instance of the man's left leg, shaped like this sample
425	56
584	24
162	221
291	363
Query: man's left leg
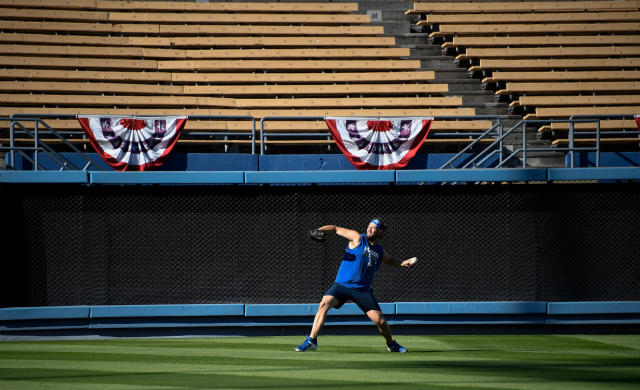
378	319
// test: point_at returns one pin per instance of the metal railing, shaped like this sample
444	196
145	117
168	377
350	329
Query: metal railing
495	133
39	146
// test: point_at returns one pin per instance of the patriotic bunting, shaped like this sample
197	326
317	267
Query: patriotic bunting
638	121
379	144
132	143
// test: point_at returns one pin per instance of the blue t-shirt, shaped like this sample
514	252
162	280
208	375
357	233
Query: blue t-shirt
359	265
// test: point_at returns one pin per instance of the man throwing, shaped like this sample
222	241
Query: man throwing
353	282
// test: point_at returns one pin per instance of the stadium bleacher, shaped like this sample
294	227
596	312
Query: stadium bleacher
549	60
267	59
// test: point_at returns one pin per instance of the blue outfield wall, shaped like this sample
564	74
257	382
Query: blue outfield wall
329	177
287	315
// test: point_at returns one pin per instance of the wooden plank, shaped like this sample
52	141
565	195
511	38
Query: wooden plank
97	63
307	77
9	110
42	14
543	40
527	6
319	7
620	63
366	112
223	65
277	53
79	51
317	90
204	29
563	76
602	100
486	29
9	25
351	102
536	52
128	52
120	100
267	41
54	4
603	140
529	18
84	75
59	39
604	125
236	18
578	86
85	87
565	112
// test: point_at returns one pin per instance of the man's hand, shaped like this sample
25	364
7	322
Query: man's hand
409	262
317	235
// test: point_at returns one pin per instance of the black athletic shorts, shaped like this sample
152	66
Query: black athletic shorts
363	298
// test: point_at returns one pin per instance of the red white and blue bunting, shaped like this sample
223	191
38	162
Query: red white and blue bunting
379	144
637	117
132	143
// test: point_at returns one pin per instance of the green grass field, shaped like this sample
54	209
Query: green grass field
355	362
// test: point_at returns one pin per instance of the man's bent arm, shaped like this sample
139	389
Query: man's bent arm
396	261
351	235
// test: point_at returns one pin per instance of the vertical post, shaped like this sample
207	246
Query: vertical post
12	145
36	139
499	123
253	135
571	135
598	143
262	136
524	144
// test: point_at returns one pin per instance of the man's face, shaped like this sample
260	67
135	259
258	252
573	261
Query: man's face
373	232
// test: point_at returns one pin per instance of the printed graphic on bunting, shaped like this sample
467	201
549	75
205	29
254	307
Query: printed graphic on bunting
379	144
132	143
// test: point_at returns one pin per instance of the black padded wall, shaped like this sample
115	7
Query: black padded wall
78	245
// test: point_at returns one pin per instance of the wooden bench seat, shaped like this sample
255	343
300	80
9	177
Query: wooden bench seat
9	110
534	64
600	100
605	124
578	86
537	52
233	78
176	30
157	53
542	40
351	77
526	6
84	75
223	90
541	28
567	112
208	101
207	42
562	76
268	6
186	6
62	62
592	141
313	65
529	18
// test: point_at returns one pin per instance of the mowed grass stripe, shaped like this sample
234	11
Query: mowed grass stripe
527	362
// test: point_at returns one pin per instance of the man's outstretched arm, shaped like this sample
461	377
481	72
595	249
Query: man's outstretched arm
398	262
351	235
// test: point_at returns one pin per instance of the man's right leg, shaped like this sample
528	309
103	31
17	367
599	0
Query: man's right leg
311	342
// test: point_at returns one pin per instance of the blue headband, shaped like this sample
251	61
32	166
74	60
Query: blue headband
377	223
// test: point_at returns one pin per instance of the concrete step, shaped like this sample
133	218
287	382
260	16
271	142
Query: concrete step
393	27
419	51
412	39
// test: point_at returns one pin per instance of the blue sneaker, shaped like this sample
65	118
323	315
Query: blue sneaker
395	347
308	345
